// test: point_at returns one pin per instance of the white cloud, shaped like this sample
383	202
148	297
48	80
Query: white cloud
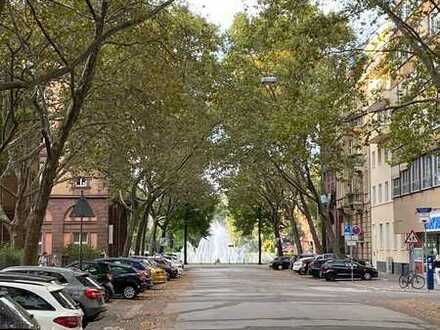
220	12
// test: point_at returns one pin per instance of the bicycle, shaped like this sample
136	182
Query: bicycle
415	280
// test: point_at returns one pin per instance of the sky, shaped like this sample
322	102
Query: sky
222	12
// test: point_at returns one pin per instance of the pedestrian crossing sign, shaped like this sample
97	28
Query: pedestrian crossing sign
412	238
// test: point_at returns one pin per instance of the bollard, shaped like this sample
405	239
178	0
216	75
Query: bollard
430	273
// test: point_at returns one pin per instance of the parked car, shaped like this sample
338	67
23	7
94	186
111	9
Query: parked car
302	255
318	261
15	317
280	263
127	281
171	271
51	307
158	275
175	262
341	268
137	264
79	285
101	272
301	266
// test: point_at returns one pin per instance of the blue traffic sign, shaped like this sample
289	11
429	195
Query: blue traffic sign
347	230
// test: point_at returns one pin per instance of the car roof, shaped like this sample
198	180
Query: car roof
21	276
60	270
33	284
111	264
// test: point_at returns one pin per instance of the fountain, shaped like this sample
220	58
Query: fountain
219	248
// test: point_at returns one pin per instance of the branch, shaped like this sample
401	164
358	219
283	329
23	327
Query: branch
54	74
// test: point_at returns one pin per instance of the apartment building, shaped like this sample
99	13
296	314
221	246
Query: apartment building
106	231
396	191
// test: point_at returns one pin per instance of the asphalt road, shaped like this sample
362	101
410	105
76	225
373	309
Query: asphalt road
255	297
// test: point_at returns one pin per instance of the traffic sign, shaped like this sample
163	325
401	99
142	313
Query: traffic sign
351	243
347	230
424	214
412	238
356	230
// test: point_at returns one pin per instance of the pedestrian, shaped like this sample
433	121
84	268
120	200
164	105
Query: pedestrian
43	260
437	268
55	261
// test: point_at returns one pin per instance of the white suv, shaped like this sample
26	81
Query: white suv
51	307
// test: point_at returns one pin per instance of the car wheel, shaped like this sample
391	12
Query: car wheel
280	267
330	277
129	292
367	276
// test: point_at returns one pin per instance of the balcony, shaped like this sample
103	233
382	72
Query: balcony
353	202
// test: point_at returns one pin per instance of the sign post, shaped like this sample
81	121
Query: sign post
351	235
424	215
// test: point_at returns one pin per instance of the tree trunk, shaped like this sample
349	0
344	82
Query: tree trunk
140	238
296	237
21	208
277	234
329	231
38	211
306	211
153	243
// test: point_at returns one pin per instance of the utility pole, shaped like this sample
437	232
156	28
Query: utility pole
185	246
259	240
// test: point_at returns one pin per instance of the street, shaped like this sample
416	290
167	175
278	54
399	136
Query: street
252	297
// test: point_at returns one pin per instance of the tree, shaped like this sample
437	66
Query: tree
410	59
295	126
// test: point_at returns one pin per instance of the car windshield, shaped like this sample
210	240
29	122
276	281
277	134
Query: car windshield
64	299
87	281
13	316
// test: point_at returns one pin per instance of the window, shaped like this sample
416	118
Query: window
426	171
76	238
28	300
436	169
415	175
381	236
81	182
396	187
387	191
59	277
405	184
379	156
373	159
434	22
64	299
387	236
379	193
373	195
386	155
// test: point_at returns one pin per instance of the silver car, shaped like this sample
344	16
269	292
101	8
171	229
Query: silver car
79	285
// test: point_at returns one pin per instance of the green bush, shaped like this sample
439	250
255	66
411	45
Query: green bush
10	256
71	252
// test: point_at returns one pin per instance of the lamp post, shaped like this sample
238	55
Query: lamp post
185	238
81	210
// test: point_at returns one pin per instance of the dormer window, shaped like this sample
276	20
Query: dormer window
81	182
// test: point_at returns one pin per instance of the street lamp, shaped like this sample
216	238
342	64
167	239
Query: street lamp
81	210
269	80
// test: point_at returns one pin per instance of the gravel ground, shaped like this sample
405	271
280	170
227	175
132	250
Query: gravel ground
146	311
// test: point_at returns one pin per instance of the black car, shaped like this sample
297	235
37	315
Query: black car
101	272
314	268
127	281
15	317
334	269
280	263
136	264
